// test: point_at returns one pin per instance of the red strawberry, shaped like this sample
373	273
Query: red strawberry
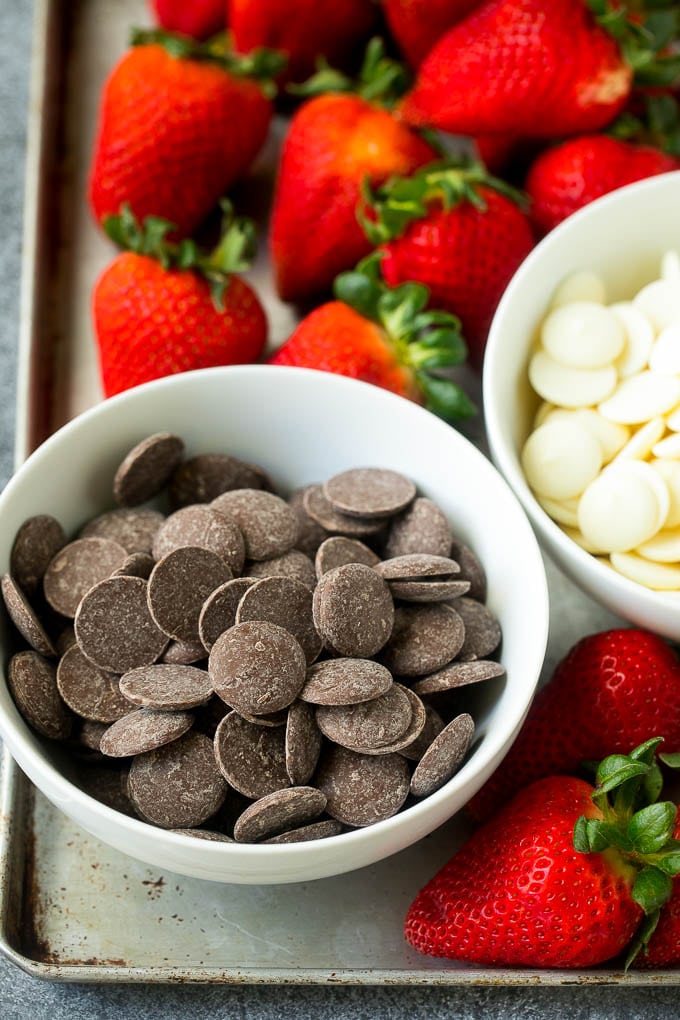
303	29
175	131
609	692
198	19
333	143
522	67
456	230
164	308
531	887
418	24
663	947
580	170
382	336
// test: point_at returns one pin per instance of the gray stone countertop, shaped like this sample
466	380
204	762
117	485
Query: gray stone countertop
22	996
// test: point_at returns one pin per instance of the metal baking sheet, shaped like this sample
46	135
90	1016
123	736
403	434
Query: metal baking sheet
71	908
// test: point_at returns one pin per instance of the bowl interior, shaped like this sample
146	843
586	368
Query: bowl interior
301	426
622	237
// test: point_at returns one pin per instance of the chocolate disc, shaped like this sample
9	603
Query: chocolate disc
184	653
24	618
179	785
76	569
362	789
257	667
206	528
166	686
370	724
310	533
303	743
433	726
345	682
287	603
32	682
144	729
412	734
482	629
219	609
317	830
369	492
90	692
277	812
114	627
147	469
338	550
321	510
424	639
470	570
212	837
422	528
37	542
443	757
136	565
431	590
132	528
416	566
251	758
291	564
268	524
178	587
458	674
201	479
353	610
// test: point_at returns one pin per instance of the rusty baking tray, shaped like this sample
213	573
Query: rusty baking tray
71	908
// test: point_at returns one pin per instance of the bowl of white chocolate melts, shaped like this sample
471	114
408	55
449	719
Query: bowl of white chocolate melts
582	398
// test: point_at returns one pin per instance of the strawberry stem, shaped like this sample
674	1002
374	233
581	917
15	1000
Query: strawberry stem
385	210
638	827
233	254
380	80
261	64
644	32
425	341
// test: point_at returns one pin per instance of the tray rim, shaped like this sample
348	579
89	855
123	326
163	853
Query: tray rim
13	782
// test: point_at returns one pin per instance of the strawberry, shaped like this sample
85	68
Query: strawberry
578	171
455	229
418	24
303	29
198	19
610	691
524	67
562	876
383	336
178	125
162	308
334	142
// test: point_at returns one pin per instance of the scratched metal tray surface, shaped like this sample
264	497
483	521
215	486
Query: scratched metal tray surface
71	908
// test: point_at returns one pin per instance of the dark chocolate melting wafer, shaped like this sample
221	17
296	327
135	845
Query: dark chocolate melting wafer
317	830
353	610
303	743
77	568
203	478
144	729
91	692
422	528
310	533
177	786
293	564
443	757
219	609
179	586
251	758
345	681
287	603
268	524
205	528
369	724
335	523
132	528
166	686
458	674
482	629
24	618
369	492
37	542
257	667
114	627
338	550
147	468
278	812
32	681
362	789
424	638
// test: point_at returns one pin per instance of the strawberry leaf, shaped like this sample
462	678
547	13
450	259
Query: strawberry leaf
651	889
642	936
670	863
671	760
381	79
445	398
359	292
652	784
650	828
616	770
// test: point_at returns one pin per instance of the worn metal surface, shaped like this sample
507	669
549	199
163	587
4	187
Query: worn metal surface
71	909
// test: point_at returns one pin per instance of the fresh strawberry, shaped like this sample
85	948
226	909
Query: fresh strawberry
383	336
610	691
335	141
533	888
178	125
162	308
198	19
455	229
523	67
418	24
578	171
303	29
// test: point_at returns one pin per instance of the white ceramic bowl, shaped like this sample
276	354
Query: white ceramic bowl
302	426
622	237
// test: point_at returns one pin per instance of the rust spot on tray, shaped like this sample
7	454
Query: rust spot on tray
33	944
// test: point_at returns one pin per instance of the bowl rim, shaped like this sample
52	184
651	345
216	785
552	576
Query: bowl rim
503	451
65	791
